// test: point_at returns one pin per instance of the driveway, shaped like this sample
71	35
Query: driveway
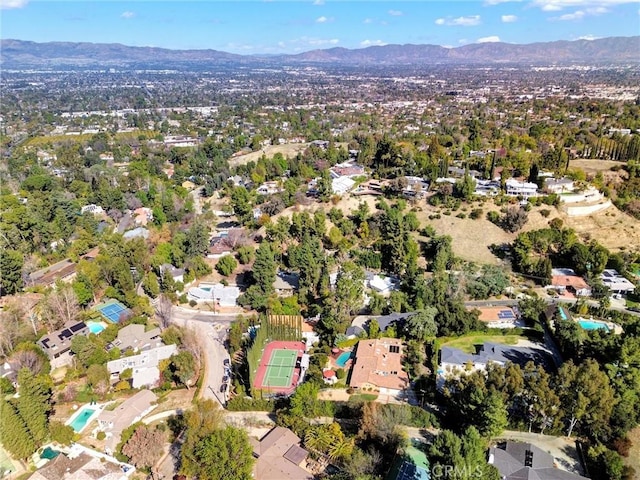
212	332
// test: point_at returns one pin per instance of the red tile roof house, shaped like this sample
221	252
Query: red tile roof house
563	279
279	456
378	366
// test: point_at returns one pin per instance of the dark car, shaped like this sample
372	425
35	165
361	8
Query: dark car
225	379
634	309
226	362
223	388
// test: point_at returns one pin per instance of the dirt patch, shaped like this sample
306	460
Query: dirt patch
287	150
594	166
633	460
174	400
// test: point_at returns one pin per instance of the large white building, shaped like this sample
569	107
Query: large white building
517	188
616	282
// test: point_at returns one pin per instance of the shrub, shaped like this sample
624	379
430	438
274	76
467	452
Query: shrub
340	374
493	217
475	213
101	435
193	303
226	265
545	212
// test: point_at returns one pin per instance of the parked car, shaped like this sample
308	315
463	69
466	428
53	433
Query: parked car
223	388
634	309
226	362
225	379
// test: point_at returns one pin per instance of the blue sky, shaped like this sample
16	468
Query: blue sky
248	27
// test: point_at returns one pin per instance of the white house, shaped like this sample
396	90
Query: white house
224	296
558	185
342	185
269	188
517	188
93	209
616	282
144	366
382	284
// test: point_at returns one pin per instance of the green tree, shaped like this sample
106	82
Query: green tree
226	265
225	454
422	325
34	403
61	433
241	204
14	433
586	397
349	289
11	262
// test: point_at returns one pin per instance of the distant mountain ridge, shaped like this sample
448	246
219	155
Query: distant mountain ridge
26	54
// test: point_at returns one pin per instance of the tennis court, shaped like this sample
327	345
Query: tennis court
6	466
280	368
113	310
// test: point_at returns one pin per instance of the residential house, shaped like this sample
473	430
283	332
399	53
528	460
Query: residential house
177	274
82	467
57	344
142	216
519	188
139	232
360	324
378	365
286	283
279	456
558	185
269	188
180	141
323	144
382	284
499	317
218	247
309	333
64	270
342	185
144	366
517	461
616	282
132	410
487	188
222	295
416	188
565	279
136	338
92	209
347	169
454	362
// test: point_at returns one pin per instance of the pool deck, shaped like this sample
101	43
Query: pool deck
98	410
333	360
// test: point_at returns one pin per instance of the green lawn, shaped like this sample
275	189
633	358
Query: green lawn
467	343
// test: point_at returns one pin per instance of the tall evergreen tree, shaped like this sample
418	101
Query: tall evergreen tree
13	432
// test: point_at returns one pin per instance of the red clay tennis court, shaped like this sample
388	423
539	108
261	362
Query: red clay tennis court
279	370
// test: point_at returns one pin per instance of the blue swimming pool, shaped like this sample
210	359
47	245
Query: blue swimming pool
342	359
593	325
562	314
82	419
95	327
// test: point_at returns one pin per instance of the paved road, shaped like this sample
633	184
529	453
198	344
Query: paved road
212	333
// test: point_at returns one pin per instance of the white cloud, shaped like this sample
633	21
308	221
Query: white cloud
588	37
127	14
10	4
497	2
568	17
370	43
509	18
318	2
306	42
395	13
468	21
490	39
320	42
368	20
322	19
557	5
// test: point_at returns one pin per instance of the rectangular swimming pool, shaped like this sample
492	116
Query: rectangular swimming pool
343	358
82	419
593	325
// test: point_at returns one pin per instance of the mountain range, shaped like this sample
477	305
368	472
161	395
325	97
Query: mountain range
19	54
